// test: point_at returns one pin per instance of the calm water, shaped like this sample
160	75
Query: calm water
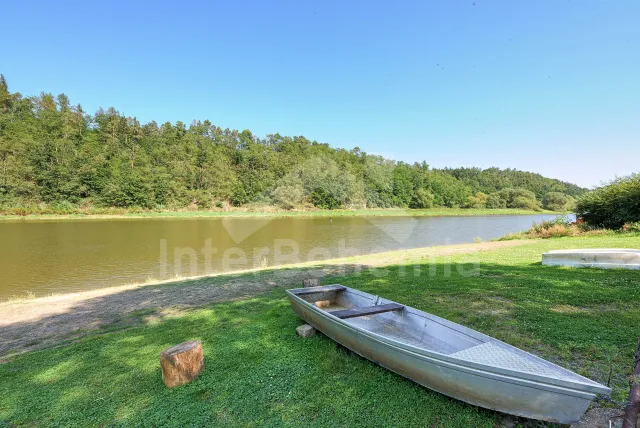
64	256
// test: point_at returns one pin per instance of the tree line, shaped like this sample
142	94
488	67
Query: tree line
53	153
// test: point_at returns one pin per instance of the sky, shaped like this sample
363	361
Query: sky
546	86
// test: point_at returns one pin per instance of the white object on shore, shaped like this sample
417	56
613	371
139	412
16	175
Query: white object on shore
605	258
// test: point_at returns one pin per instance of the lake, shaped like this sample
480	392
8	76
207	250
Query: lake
44	257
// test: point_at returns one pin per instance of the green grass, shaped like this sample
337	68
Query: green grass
271	212
259	373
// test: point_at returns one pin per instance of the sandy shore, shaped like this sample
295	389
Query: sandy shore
31	324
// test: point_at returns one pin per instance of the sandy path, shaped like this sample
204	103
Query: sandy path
33	324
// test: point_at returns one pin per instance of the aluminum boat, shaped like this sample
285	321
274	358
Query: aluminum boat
444	356
604	258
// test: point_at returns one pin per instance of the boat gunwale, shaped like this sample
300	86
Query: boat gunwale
595	251
589	389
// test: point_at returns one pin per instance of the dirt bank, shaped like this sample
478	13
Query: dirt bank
33	324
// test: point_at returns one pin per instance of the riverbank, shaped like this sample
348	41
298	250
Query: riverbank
33	323
98	358
272	212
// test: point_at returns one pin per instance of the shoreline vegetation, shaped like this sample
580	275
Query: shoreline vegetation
562	226
102	345
269	211
55	158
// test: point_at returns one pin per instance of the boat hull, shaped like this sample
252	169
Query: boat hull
610	258
503	393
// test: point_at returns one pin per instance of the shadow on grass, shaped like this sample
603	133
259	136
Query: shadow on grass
50	322
259	372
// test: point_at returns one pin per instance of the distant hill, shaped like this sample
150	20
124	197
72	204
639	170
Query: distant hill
493	179
54	154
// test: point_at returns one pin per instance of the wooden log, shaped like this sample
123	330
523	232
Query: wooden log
310	282
181	363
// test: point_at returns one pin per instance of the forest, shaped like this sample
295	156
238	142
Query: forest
55	155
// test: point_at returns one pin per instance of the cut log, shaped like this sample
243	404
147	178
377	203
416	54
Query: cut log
310	282
182	363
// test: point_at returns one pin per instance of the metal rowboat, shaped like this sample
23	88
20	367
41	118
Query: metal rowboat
444	356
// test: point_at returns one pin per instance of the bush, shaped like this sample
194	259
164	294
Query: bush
494	201
556	231
613	205
423	199
557	201
631	227
525	203
479	200
559	226
513	198
288	196
323	198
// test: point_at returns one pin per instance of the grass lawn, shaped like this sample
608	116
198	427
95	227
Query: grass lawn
259	373
273	212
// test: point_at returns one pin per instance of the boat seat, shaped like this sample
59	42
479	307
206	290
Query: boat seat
367	310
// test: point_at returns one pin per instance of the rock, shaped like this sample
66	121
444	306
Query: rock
311	282
305	330
182	363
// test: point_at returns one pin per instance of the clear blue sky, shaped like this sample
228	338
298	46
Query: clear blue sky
545	86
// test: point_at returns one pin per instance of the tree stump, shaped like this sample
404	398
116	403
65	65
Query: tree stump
182	363
310	282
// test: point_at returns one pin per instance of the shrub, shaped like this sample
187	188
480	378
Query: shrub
525	203
494	201
555	231
423	199
479	200
63	207
613	205
559	226
513	198
557	201
631	227
288	196
325	199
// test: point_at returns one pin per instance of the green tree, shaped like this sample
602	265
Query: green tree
422	199
479	200
513	198
52	152
557	201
